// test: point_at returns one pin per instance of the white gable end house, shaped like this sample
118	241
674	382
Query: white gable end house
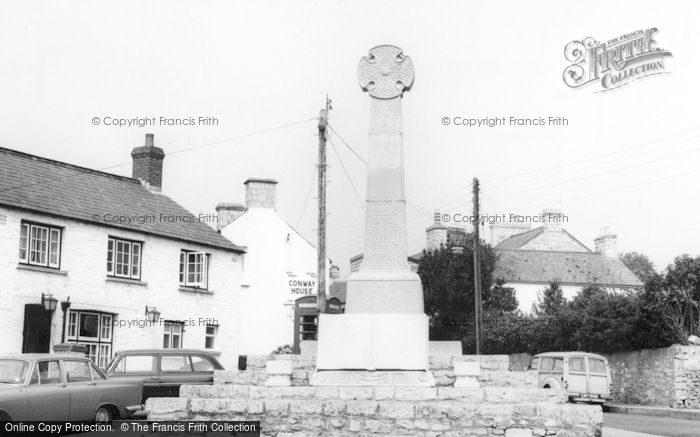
280	268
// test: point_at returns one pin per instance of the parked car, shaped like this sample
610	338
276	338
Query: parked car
164	370
52	387
585	376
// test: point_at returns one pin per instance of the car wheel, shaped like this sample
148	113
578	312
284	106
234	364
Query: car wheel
103	415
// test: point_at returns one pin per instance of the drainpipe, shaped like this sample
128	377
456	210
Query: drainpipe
64	306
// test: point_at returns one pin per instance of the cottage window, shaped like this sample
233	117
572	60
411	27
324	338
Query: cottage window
40	245
94	330
194	269
124	258
210	336
172	335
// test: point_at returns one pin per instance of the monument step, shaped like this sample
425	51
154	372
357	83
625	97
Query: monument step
493	395
386	417
491	378
486	362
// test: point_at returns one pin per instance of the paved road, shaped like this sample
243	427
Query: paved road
648	425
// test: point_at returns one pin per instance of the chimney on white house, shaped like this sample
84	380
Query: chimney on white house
552	219
435	234
606	243
226	213
260	193
148	164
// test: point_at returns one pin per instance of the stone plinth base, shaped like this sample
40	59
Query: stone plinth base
369	341
385	411
380	378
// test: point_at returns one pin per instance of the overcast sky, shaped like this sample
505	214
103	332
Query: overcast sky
628	159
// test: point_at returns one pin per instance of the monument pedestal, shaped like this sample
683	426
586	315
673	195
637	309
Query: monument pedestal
369	349
382	291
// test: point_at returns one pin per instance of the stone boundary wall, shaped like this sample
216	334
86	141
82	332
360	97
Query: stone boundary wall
665	376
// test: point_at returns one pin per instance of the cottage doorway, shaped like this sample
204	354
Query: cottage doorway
37	329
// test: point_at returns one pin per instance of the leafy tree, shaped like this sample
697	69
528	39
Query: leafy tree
448	286
658	323
551	301
601	321
640	265
499	299
682	283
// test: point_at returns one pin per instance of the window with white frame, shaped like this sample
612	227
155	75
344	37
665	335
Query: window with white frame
210	336
194	269
40	245
94	330
172	335
124	258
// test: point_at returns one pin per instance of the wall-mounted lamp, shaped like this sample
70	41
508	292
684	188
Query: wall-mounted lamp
49	302
152	314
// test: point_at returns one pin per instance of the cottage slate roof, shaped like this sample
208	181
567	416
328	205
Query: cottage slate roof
55	188
517	240
570	268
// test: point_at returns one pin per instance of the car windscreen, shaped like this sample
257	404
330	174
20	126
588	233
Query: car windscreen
13	371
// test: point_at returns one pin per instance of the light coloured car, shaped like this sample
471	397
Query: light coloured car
53	387
584	376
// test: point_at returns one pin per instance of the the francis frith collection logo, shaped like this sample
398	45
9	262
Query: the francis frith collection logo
614	63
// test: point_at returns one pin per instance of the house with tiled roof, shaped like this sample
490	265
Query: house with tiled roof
530	259
109	262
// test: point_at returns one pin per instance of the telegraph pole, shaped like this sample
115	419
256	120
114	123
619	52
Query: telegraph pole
321	271
477	268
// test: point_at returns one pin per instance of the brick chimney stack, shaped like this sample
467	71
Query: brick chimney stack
227	213
606	243
148	164
260	193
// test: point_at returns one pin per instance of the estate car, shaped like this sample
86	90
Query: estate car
585	376
164	370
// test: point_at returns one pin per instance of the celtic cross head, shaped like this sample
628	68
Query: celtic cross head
386	72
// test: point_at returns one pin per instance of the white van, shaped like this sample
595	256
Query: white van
585	376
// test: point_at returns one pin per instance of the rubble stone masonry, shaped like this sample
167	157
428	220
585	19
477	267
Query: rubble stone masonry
507	404
666	376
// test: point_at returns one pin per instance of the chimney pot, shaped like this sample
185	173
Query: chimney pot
149	140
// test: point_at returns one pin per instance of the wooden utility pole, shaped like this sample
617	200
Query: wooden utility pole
477	268
321	271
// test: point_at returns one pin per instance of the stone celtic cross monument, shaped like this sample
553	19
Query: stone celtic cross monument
383	336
